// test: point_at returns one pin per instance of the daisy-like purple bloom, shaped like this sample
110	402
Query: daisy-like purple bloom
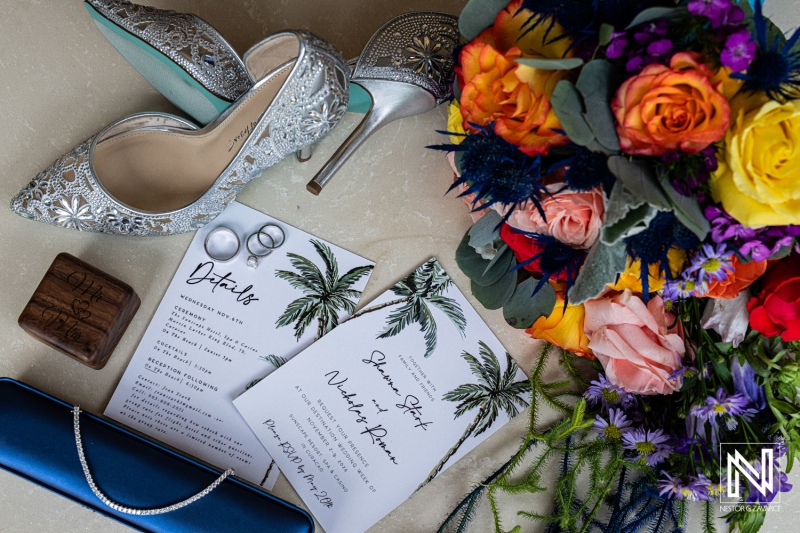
602	391
694	489
739	51
651	445
683	288
711	263
720	405
616	425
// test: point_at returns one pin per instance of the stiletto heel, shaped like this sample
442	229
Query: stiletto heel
303	154
406	69
156	174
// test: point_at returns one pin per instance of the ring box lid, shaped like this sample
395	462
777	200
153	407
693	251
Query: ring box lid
79	310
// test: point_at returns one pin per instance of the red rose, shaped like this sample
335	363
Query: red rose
776	309
523	246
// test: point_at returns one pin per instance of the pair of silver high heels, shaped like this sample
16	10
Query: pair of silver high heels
159	174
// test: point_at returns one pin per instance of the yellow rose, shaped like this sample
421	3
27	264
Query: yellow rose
455	122
758	179
563	328
632	277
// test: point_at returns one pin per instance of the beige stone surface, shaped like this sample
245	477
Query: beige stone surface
61	82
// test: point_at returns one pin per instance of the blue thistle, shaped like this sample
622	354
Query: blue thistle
496	171
582	18
554	260
652	245
587	170
776	67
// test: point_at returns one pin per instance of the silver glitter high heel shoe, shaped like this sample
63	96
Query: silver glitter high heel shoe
157	174
406	69
181	55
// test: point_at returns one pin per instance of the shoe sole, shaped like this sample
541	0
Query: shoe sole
164	74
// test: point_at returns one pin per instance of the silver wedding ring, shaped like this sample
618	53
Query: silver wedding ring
222	244
275	233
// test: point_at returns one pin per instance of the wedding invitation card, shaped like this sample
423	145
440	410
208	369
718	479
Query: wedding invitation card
383	403
221	327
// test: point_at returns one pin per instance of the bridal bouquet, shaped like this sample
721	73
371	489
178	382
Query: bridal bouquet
633	169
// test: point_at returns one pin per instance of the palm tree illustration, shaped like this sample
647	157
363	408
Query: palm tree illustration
423	288
275	360
494	392
326	294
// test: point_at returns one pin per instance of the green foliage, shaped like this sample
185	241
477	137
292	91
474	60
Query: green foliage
524	307
478	15
325	293
544	63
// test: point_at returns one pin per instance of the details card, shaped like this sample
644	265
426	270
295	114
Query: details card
387	400
221	327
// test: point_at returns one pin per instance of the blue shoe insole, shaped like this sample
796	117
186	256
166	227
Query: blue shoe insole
176	84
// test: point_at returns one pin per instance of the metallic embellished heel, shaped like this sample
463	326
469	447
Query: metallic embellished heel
156	174
180	54
406	69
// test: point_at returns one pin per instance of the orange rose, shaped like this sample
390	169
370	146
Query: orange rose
516	98
665	108
743	275
563	329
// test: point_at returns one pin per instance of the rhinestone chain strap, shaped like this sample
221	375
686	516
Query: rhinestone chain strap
76	411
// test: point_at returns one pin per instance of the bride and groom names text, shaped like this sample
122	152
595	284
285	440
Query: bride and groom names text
411	405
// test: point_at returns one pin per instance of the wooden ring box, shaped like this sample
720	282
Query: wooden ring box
79	310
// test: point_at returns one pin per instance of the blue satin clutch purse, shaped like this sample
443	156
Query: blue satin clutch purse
37	442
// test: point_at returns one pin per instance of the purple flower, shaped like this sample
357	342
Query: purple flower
721	405
607	394
714	10
744	384
660	47
613	428
779	484
635	64
739	51
651	31
750	244
694	489
651	445
683	289
616	46
712	263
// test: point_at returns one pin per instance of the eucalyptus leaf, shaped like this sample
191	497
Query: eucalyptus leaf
485	230
688	211
457	159
603	263
594	83
478	15
502	255
568	106
524	307
604	35
496	295
639	179
653	13
782	252
543	63
480	270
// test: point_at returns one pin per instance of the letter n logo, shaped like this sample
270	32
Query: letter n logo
760	477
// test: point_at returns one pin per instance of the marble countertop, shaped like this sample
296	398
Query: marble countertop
61	82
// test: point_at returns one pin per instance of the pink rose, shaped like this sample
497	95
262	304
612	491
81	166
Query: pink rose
573	218
632	342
